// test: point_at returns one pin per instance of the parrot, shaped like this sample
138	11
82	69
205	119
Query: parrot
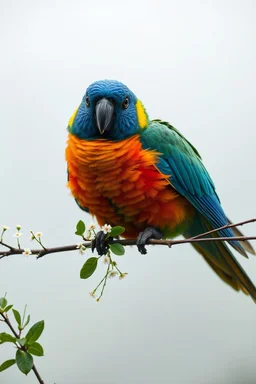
128	170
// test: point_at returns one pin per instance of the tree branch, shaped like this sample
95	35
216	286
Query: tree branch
196	239
34	369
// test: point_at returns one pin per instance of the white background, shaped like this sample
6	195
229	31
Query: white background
192	63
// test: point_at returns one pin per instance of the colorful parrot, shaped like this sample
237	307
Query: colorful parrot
143	174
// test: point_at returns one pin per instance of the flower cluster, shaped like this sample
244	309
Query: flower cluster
91	232
111	247
81	248
33	236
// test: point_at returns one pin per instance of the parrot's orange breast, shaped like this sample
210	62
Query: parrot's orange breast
119	183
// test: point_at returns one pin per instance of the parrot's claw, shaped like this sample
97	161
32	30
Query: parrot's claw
100	244
148	233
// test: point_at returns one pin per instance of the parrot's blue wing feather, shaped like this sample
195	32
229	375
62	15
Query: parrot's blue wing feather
188	176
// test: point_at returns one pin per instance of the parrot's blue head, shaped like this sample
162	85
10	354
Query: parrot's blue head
108	110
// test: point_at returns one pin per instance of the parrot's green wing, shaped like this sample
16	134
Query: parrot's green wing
188	176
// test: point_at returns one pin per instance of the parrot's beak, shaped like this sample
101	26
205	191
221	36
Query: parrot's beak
104	112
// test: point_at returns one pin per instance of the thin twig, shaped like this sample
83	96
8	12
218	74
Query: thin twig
39	253
224	227
6	245
34	369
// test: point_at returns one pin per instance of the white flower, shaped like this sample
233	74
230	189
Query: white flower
18	227
39	234
17	234
123	275
92	236
91	226
81	248
92	294
4	227
106	228
27	252
112	274
106	260
89	235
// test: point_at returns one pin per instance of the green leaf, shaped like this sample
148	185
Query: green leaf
6	309
28	320
17	316
24	361
117	249
3	302
35	332
116	231
7	364
36	349
80	228
88	268
6	338
22	342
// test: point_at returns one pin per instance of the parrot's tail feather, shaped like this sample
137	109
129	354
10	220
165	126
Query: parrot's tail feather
245	244
238	246
221	259
229	279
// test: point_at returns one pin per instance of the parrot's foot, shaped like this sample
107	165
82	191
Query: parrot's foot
100	243
148	233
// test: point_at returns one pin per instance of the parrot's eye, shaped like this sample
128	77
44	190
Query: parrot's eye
125	103
87	101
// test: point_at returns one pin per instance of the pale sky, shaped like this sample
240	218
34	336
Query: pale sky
192	63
